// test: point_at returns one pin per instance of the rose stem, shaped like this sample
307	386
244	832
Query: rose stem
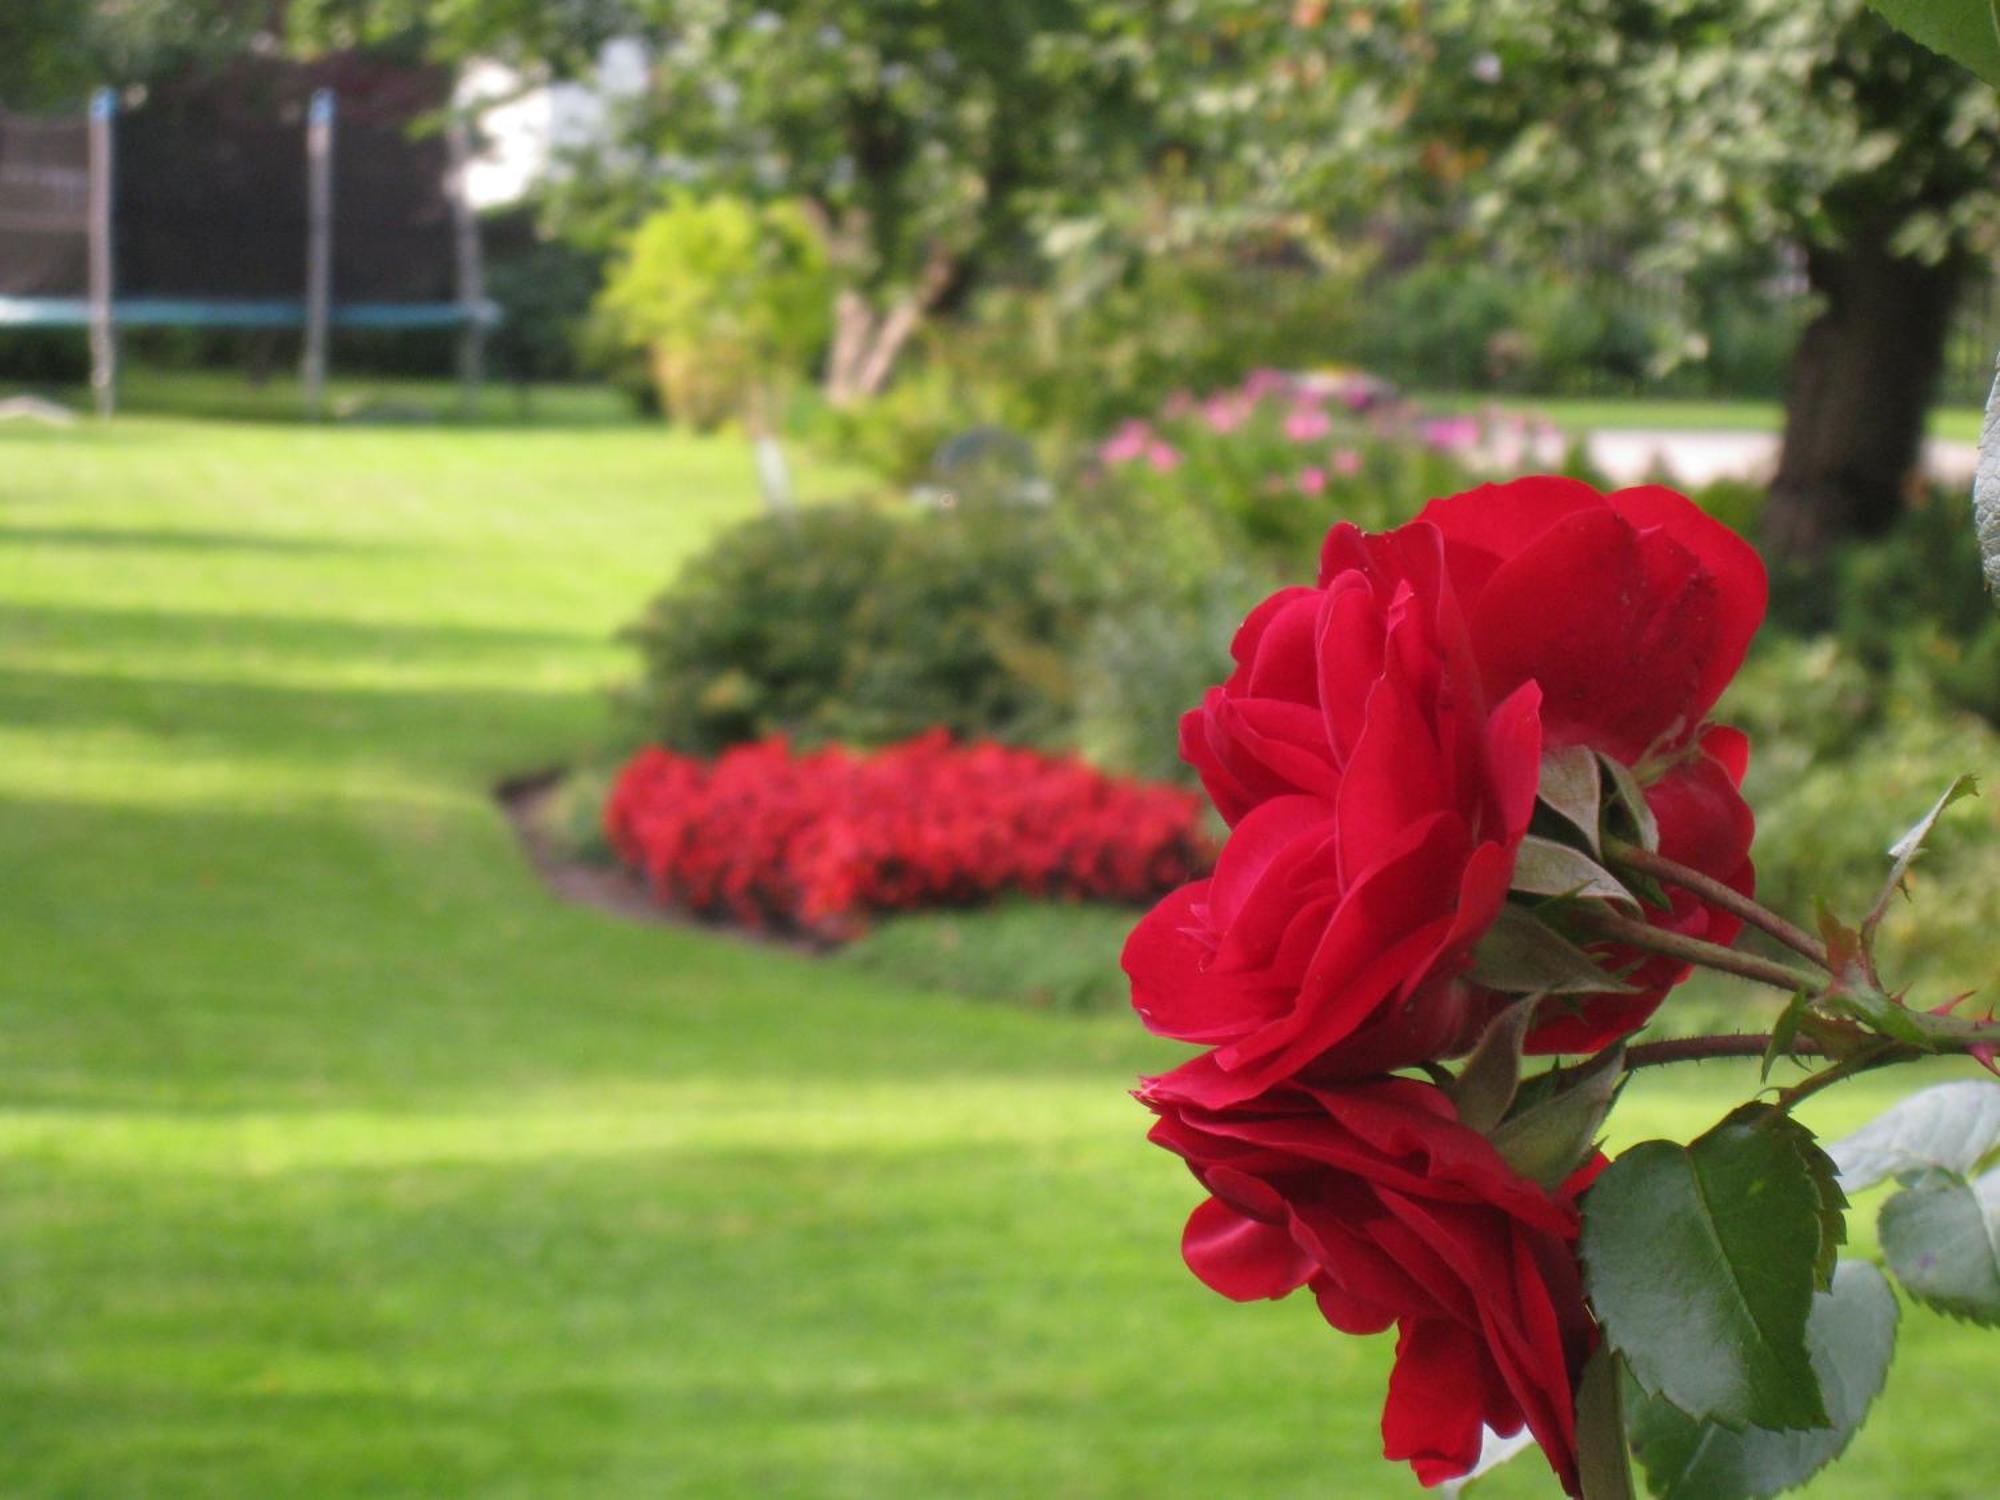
1873	1055
1650	939
1705	1048
1715	893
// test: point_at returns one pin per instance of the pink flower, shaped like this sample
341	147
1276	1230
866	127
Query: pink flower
1347	463
1127	444
1307	424
1312	481
1224	414
1265	382
1450	434
1164	457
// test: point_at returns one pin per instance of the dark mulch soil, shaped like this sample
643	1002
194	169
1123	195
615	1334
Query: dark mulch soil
530	800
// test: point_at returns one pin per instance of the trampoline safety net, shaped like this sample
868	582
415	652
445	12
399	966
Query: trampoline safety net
209	205
44	206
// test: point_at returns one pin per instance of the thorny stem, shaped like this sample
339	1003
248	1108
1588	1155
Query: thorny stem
1705	1048
1716	894
1651	939
1874	1055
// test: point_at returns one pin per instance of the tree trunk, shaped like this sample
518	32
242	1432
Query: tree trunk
866	344
1861	383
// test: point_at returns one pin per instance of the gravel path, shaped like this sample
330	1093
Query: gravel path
1628	455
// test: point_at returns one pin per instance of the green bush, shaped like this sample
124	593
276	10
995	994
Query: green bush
722	295
1146	663
846	623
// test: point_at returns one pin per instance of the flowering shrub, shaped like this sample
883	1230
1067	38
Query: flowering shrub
817	842
1277	458
1477	812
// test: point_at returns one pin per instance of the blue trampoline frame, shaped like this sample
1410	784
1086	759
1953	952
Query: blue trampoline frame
271	313
190	312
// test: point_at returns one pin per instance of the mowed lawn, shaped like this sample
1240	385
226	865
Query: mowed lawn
337	1160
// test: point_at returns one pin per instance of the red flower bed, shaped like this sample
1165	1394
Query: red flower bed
816	842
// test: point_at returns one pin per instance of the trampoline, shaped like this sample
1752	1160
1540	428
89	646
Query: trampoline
223	207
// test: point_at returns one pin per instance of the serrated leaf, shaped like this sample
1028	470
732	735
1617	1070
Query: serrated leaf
1572	785
1486	1084
1521	955
1700	1261
1963	30
1851	1337
1556	1130
1951	1127
1631	797
1603	1466
1940	1240
1825	1178
1544	867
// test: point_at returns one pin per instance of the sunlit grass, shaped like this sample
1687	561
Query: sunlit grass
337	1159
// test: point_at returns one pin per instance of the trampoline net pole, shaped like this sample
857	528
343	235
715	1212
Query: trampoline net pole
319	247
103	333
469	271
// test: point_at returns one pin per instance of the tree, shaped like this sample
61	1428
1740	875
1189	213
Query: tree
927	139
52	52
1681	132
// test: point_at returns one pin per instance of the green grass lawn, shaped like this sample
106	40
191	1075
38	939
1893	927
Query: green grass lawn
337	1160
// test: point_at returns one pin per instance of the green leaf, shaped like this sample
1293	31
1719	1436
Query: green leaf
1573	786
1882	1014
1546	868
1485	1086
1628	795
1523	956
1785	1031
1939	1237
1825	1178
1951	1127
1851	1336
1906	849
1602	1464
1555	1130
1963	30
1701	1262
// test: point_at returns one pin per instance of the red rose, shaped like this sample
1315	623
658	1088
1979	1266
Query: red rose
1380	801
1628	612
1392	1212
1631	612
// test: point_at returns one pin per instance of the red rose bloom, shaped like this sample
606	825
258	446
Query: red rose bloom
1392	1212
1628	613
1380	794
1631	612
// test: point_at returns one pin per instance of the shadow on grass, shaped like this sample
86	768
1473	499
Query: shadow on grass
309	638
160	539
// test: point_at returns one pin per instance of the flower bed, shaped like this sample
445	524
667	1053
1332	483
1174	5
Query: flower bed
817	842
